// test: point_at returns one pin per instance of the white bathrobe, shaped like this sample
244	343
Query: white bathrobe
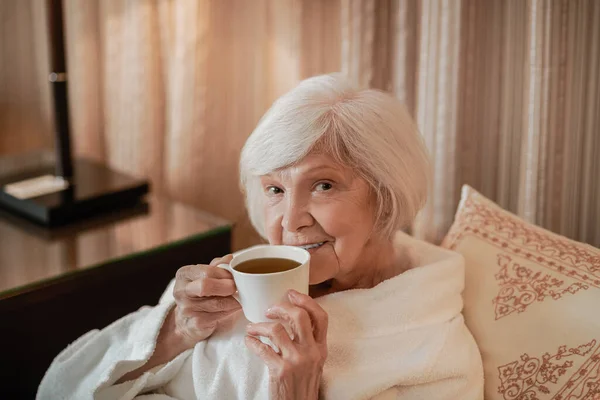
404	339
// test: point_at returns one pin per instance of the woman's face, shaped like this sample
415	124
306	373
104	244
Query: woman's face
325	208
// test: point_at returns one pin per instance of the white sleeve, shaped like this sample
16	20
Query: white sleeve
90	366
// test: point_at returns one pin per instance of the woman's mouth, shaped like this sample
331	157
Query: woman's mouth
312	247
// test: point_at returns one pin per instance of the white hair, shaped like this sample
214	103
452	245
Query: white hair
367	130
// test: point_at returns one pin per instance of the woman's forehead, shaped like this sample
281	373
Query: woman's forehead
312	163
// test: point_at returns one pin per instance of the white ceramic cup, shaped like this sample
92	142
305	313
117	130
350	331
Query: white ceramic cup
258	292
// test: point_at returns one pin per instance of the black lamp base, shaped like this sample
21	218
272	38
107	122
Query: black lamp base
94	189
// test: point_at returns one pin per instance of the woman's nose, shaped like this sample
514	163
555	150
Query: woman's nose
296	216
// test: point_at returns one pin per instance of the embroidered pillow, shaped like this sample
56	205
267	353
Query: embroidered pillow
532	302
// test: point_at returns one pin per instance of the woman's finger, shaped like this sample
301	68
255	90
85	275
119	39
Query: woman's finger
221	260
214	304
318	316
210	287
271	359
276	333
198	272
198	323
297	318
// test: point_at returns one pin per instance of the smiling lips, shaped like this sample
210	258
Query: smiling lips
312	246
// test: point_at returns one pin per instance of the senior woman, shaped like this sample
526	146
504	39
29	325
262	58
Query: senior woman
338	171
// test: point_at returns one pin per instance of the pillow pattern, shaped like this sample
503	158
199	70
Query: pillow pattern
532	302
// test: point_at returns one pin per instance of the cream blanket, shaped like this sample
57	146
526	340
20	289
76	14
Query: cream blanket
403	339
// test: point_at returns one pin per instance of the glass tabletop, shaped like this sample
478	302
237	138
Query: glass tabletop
30	253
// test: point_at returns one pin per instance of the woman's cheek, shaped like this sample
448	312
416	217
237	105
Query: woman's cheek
273	228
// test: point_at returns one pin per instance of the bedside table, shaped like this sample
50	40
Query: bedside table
57	285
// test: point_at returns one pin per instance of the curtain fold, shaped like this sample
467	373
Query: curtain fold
436	109
25	109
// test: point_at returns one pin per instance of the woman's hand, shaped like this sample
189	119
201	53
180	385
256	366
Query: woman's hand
203	301
203	296
295	372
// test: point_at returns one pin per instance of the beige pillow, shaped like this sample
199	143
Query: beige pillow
532	302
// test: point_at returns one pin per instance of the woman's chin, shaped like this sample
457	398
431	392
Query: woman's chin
323	264
320	275
316	281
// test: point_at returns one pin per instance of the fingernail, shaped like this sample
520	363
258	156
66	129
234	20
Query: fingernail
249	327
292	294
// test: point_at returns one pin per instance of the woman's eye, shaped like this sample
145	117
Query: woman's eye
323	187
274	190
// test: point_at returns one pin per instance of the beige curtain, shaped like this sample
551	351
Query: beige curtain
25	112
506	92
507	97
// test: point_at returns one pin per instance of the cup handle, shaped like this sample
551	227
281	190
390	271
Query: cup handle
236	295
